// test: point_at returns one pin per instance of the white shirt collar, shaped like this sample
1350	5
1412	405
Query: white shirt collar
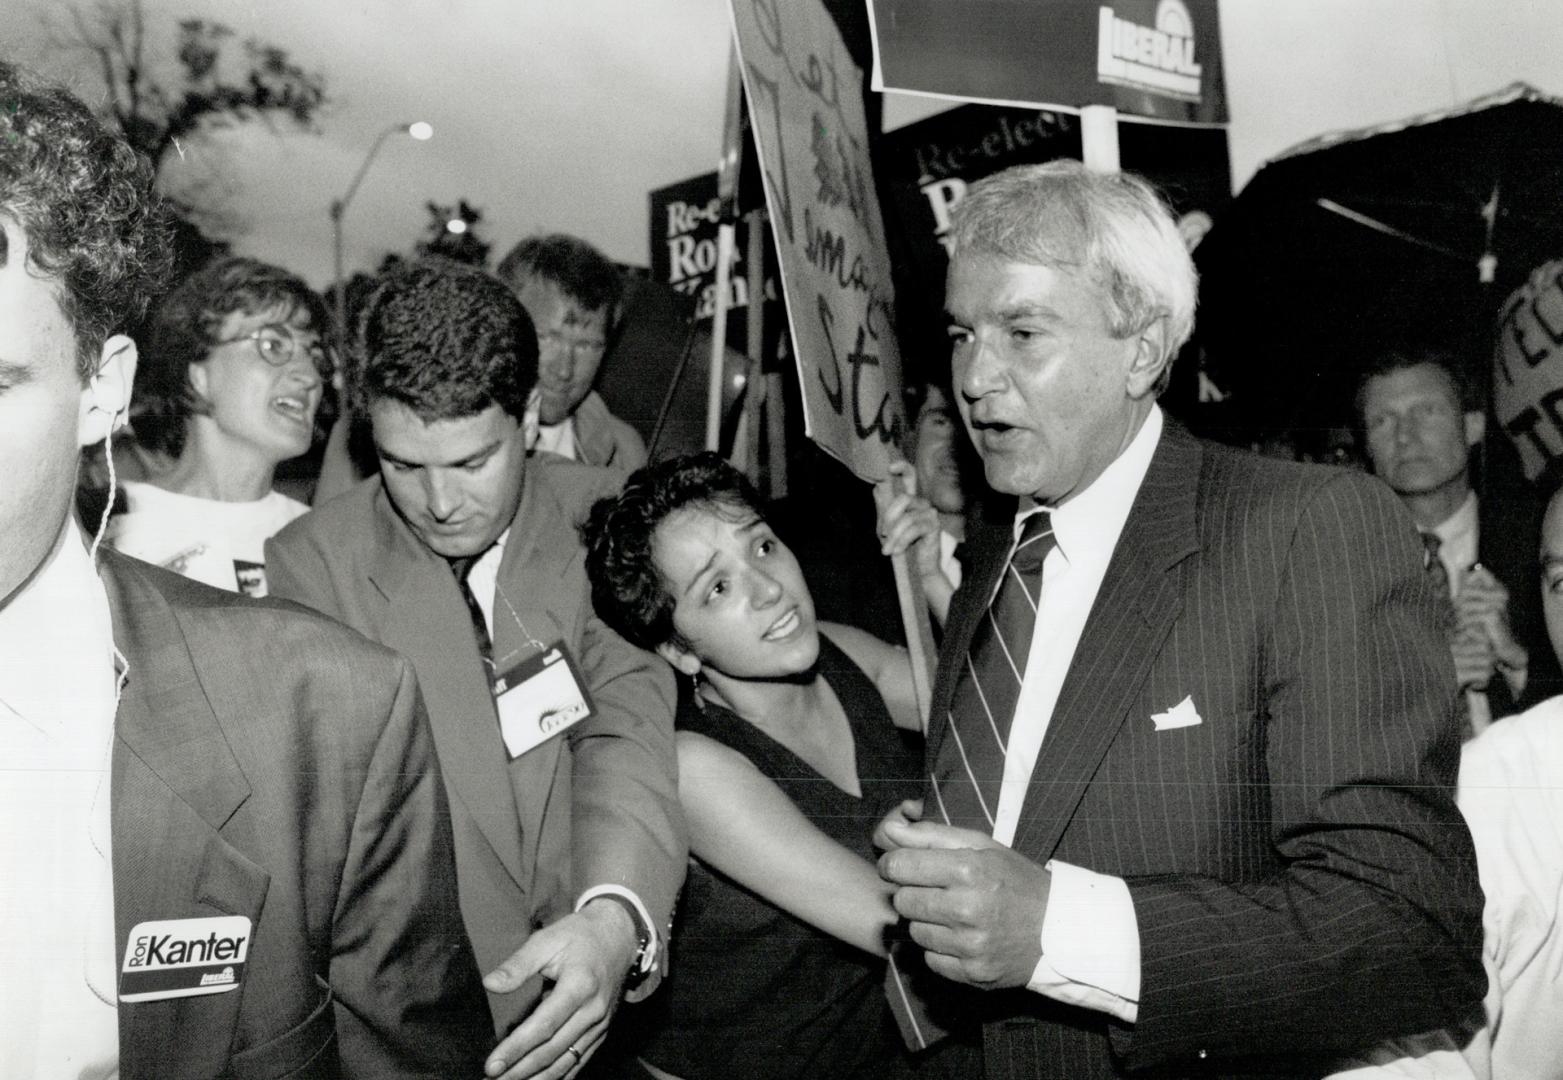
495	552
558	438
483	578
1088	525
1461	525
57	656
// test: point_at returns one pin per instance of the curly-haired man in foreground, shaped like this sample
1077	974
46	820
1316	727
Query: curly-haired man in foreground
221	858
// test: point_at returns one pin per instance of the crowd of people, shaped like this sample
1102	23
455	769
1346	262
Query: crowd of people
510	754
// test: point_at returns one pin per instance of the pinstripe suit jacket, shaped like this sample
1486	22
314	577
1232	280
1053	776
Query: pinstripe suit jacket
1302	881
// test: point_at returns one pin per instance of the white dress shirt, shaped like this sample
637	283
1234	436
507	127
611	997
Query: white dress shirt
949	565
558	438
58	692
1090	939
483	580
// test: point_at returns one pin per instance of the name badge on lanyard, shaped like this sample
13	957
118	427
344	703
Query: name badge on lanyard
542	696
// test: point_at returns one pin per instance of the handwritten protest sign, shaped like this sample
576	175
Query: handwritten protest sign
1528	368
806	112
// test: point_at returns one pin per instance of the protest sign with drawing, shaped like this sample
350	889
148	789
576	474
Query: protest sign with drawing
806	112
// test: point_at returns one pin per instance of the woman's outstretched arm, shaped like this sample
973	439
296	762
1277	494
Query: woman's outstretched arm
742	824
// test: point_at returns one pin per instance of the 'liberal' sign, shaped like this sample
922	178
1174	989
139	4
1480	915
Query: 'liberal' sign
1159	59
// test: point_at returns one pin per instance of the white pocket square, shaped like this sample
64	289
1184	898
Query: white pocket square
1183	714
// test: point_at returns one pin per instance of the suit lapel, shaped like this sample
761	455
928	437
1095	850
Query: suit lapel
175	784
1135	608
593	441
426	620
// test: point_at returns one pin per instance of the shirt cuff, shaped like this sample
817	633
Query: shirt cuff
1090	943
648	960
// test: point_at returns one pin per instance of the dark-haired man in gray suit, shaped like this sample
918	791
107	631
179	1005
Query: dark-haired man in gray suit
1190	749
556	734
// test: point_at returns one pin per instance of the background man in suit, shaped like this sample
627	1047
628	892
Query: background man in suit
1511	793
181	765
1218	835
1419	428
464	557
571	291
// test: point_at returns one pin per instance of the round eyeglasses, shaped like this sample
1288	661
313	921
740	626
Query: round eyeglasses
277	345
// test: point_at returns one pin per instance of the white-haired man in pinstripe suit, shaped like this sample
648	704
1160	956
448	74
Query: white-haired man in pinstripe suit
1190	800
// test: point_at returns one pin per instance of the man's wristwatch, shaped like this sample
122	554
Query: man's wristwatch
640	967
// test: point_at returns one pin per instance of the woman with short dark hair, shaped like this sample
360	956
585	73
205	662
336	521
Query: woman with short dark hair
789	755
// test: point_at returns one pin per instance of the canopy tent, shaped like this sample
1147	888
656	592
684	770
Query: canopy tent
1408	231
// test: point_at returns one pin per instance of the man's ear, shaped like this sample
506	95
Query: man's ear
1475	428
1150	359
105	399
682	659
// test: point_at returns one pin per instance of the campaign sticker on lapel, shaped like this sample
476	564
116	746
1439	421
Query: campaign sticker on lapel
540	697
175	958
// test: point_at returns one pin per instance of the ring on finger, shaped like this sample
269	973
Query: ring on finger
571	1048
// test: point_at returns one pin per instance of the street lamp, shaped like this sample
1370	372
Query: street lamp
419	130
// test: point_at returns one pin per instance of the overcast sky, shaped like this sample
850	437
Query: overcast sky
563	114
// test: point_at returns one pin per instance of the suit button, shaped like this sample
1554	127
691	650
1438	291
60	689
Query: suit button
1203	1054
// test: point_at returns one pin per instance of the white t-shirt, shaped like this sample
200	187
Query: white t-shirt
218	543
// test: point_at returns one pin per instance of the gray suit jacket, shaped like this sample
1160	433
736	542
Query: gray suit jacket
270	764
1302	882
605	439
596	806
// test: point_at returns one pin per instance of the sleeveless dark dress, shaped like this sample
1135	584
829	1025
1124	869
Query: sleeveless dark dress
754	992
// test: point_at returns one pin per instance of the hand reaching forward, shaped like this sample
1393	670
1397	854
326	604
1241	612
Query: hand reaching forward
906	520
585	957
909	523
975	906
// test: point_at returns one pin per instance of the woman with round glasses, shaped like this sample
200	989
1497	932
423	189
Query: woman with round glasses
788	755
229	382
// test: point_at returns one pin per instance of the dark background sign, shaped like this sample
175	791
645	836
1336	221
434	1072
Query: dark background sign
684	220
927	166
1151	58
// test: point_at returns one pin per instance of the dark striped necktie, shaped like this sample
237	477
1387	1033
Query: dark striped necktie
1436	570
462	568
969	768
970	763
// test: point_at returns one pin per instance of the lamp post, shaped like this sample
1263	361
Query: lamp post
419	130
